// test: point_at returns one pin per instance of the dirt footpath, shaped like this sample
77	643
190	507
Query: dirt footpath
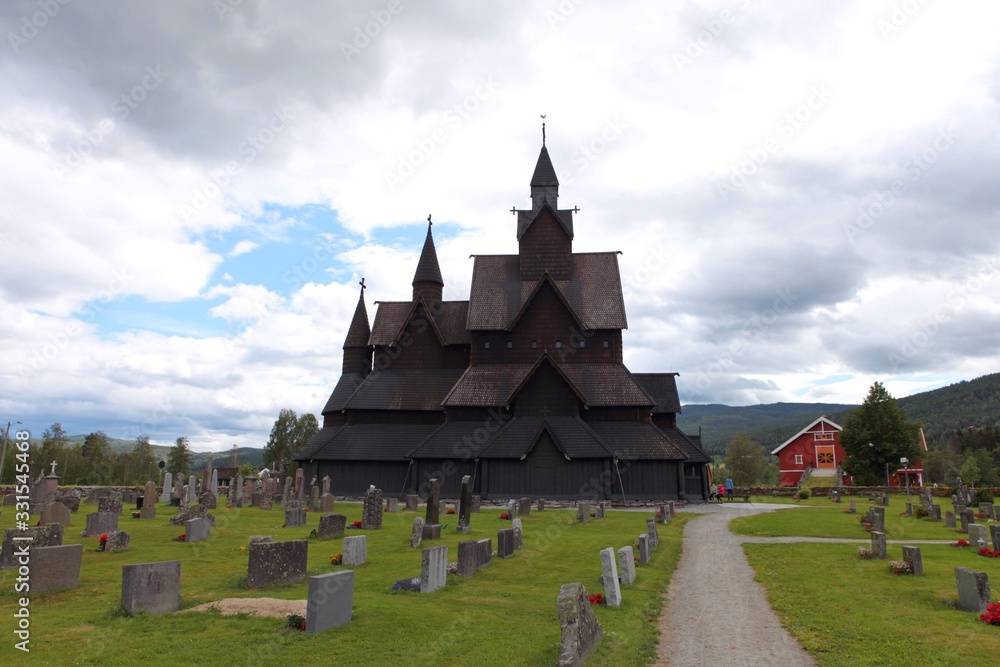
716	614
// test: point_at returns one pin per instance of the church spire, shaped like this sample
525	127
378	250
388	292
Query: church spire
357	353
427	279
544	183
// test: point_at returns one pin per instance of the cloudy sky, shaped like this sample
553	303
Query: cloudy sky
804	194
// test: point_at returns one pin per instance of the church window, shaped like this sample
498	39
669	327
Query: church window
558	344
510	344
583	343
486	345
606	344
534	345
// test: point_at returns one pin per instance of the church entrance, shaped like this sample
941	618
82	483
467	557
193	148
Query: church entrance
542	463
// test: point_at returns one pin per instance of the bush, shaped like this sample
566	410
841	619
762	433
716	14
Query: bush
920	512
984	496
803	494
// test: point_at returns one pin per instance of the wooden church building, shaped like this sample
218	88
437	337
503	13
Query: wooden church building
522	387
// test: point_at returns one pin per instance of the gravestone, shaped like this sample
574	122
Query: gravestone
54	568
117	541
524	508
673	508
412	502
433	568
371	516
273	563
908	511
300	485
978	535
196	530
583	512
468	558
949	519
392	504
153	588
295	518
878	519
644	548
485	552
314	499
417	534
935	512
239	487
168	483
259	539
477	503
55	513
431	532
433	502
602	510
355	550
968	517
609	576
208	500
540	504
973	589
214	485
326	484
912	556
286	494
15	541
664	514
149	495
511	508
518	533
465	506
987	509
101	522
505	543
653	533
995	536
331	525
878	544
193	512
110	504
579	630
854	507
626	565
147	513
192	490
326	502
329	600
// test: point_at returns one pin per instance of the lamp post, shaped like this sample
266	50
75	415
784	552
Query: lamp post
906	471
3	454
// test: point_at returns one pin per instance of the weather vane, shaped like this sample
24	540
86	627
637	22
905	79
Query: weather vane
429	220
543	129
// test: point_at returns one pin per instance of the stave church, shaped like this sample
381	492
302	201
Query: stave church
522	387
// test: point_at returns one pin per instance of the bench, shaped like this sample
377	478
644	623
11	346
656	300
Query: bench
739	493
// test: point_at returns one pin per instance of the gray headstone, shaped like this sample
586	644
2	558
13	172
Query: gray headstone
432	532
71	500
300	485
518	533
214	485
949	519
664	513
149	495
540	504
331	525
371	517
973	589
433	568
912	556
412	502
329	600
192	490
468	558
995	536
54	568
273	563
239	485
168	486
147	512
583	512
193	512
154	588
580	632
326	503
609	576
48	535
326	484
878	544
908	511
355	550
935	512
602	509
653	533
196	530
524	508
101	522
511	508
465	506
259	539
417	535
878	519
55	513
295	518
968	517
505	543
433	502
314	499
978	536
854	506
392	504
476	503
208	500
987	509
644	548
485	552
626	565
110	504
117	541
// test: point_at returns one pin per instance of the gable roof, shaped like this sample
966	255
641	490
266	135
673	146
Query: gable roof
366	442
822	421
346	386
573	438
662	388
563	216
448	322
406	389
632	441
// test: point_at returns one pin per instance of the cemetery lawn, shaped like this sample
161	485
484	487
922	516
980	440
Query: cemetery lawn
849	612
505	615
831	521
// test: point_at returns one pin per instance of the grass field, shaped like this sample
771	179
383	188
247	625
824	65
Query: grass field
504	615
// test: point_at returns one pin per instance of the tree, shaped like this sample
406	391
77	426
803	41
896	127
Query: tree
306	427
875	435
179	456
289	434
141	461
970	471
745	460
54	441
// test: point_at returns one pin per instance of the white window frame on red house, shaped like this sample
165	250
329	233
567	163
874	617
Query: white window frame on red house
798	459
821	437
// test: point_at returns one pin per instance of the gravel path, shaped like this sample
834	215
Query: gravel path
716	614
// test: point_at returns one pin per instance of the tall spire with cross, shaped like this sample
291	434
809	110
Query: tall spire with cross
544	183
357	353
427	280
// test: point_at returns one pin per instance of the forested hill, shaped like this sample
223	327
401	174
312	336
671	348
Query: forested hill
940	412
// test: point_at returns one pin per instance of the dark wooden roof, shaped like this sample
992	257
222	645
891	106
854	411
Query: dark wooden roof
487	385
428	269
346	386
403	390
366	442
392	316
631	441
594	291
606	385
545	173
690	445
359	332
572	437
564	216
450	441
662	388
317	441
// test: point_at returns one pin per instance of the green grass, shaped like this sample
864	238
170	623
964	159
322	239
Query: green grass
831	521
850	612
504	615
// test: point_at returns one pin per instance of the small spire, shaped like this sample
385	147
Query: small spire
359	331
428	270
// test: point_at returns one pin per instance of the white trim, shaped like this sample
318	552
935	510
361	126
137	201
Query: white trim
800	459
806	430
816	454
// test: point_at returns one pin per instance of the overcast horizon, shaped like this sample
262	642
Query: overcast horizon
802	194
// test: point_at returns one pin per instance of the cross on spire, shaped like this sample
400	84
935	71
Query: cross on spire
362	283
543	129
429	220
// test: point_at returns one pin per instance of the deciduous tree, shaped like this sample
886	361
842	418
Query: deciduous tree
745	460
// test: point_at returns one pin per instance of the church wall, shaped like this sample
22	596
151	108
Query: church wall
448	471
648	480
352	478
615	414
512	478
419	347
546	392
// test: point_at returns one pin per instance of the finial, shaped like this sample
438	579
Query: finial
543	130
429	223
362	283
513	210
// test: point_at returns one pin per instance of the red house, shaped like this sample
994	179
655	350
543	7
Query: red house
816	447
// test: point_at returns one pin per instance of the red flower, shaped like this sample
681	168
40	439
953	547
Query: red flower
992	614
450	511
596	599
104	537
961	543
989	553
504	516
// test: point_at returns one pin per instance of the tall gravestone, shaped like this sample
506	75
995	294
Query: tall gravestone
314	499
485	552
371	517
654	534
579	630
417	536
878	544
968	517
505	543
149	494
329	600
518	529
935	512
626	565
878	519
432	516
973	589
644	548
326	484
583	512
465	506
168	483
949	519
154	588
214	488
912	556
468	558
300	485
273	563
609	576
433	568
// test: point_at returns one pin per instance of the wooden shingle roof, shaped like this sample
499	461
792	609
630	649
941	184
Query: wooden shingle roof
449	320
346	386
368	442
690	445
632	441
406	389
359	332
572	436
662	388
428	269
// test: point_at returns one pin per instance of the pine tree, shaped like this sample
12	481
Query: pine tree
875	435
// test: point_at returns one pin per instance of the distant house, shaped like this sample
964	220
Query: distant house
816	448
913	469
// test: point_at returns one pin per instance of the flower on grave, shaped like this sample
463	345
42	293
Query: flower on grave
356	524
988	553
180	538
296	622
104	541
593	514
961	543
981	516
847	511
136	515
284	525
504	516
452	568
450	511
597	599
337	558
407	585
900	567
866	553
229	507
992	614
